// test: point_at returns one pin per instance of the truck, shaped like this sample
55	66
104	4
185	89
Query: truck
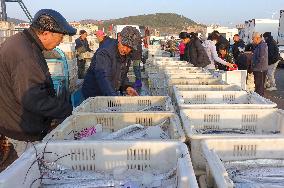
261	26
280	39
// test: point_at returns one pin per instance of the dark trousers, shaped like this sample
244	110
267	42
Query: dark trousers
259	80
81	68
181	57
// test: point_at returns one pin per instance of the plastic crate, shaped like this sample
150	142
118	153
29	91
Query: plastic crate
102	156
221	99
177	88
262	122
159	91
166	58
189	75
217	151
114	121
125	104
200	81
187	70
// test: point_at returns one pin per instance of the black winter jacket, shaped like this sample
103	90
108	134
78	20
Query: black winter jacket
195	53
273	51
28	102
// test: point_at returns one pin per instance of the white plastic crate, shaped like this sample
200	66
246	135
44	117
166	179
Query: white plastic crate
192	81
189	75
217	151
159	91
102	156
221	99
260	123
187	70
114	121
124	104
177	88
166	58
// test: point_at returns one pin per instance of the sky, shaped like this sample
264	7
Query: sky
222	12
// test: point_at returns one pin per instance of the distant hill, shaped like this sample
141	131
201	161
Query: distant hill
16	21
164	22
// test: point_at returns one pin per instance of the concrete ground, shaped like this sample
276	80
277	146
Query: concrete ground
277	96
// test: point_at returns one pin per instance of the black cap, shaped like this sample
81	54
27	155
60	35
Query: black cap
131	37
266	34
51	20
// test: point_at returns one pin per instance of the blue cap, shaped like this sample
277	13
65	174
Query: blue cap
51	20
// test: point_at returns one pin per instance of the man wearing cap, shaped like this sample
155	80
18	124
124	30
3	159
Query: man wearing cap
103	77
28	102
273	60
82	46
103	39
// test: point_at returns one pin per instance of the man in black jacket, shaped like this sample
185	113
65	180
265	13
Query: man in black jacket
273	60
221	40
103	77
238	43
28	102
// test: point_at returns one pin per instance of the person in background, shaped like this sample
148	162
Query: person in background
81	47
238	43
103	39
259	62
181	46
225	55
171	46
221	40
28	101
273	60
195	52
210	49
103	77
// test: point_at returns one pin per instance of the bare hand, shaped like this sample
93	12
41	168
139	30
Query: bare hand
132	92
230	65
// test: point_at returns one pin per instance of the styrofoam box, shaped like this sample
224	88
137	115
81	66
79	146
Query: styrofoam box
125	104
221	99
215	150
261	121
102	156
69	49
113	122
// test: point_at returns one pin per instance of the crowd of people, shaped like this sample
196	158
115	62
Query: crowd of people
259	58
29	106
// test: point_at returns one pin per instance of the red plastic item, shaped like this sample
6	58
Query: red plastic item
235	67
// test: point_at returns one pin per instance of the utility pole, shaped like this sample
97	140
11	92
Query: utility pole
3	15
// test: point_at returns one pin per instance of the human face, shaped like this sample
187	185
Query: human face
50	40
186	40
84	36
123	49
236	38
100	38
223	52
256	40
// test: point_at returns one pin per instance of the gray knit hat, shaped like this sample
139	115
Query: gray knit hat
130	36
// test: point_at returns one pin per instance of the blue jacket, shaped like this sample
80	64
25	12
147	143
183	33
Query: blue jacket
82	43
106	42
260	57
103	77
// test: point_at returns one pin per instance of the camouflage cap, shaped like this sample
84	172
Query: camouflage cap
130	36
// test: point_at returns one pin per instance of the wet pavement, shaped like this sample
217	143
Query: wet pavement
277	96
